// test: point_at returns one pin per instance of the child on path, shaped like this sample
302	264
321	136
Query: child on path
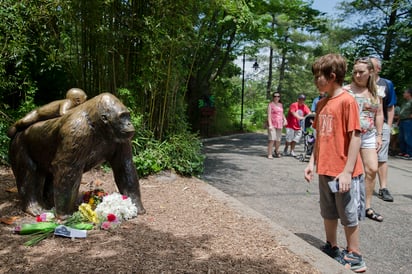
337	159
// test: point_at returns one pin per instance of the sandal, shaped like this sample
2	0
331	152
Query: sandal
277	154
371	214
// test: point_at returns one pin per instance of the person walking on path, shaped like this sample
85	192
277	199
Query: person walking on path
276	122
363	88
405	126
337	160
387	91
297	112
322	94
394	142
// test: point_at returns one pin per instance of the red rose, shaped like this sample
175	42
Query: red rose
111	217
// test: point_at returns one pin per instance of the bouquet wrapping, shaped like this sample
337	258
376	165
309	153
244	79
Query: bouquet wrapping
41	227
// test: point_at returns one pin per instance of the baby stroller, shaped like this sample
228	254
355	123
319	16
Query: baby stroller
308	134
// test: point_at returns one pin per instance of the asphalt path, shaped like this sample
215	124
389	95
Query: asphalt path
237	165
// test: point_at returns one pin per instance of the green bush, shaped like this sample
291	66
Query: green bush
7	117
184	154
149	156
4	143
180	152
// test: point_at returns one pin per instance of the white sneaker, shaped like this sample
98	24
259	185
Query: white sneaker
292	153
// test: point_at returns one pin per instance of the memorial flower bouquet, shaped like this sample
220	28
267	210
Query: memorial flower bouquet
93	197
114	209
105	212
46	223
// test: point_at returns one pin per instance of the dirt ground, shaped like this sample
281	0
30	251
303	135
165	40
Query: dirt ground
185	230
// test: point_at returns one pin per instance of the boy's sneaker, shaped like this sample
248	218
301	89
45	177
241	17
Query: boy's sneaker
292	153
333	252
353	261
285	153
385	195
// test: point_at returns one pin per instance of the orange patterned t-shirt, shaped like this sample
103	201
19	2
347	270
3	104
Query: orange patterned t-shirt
337	118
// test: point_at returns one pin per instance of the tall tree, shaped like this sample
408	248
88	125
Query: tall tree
222	30
383	28
288	37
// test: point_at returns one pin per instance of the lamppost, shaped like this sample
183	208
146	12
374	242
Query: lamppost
243	93
255	67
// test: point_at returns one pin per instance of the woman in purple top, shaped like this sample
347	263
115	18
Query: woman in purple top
276	121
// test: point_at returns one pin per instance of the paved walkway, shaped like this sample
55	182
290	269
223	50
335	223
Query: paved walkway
237	165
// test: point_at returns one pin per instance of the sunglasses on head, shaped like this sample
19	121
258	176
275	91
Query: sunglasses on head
365	60
362	59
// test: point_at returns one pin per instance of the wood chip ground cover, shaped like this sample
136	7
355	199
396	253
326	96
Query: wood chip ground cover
185	230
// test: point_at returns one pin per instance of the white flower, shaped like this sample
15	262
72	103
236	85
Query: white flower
118	205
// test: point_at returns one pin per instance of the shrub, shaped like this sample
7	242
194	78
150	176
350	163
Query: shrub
4	143
180	152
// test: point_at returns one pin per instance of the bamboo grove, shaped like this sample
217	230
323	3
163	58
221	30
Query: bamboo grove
163	56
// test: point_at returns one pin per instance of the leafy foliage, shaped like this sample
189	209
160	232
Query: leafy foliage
162	57
384	31
179	152
4	142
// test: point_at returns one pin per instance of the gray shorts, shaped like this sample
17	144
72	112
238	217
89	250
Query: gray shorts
293	135
349	207
386	138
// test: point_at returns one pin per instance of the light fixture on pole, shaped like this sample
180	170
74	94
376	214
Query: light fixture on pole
243	93
256	65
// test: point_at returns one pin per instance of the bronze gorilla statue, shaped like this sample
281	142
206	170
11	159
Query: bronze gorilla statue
49	157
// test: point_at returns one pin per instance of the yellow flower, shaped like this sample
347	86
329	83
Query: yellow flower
91	201
87	211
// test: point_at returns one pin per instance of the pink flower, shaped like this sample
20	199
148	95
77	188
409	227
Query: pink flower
106	225
17	229
111	217
124	197
45	217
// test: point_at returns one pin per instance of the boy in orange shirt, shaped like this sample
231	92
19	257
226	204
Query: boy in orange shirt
337	160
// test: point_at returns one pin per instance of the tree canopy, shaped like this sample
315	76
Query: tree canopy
164	57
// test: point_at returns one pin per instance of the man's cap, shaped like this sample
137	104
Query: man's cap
302	96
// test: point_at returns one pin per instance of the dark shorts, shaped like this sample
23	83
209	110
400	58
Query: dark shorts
349	207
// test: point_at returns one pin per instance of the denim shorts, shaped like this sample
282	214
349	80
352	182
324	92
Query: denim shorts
368	139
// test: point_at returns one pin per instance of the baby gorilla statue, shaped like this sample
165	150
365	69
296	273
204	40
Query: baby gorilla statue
74	97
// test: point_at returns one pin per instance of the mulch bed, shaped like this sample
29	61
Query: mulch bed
185	230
